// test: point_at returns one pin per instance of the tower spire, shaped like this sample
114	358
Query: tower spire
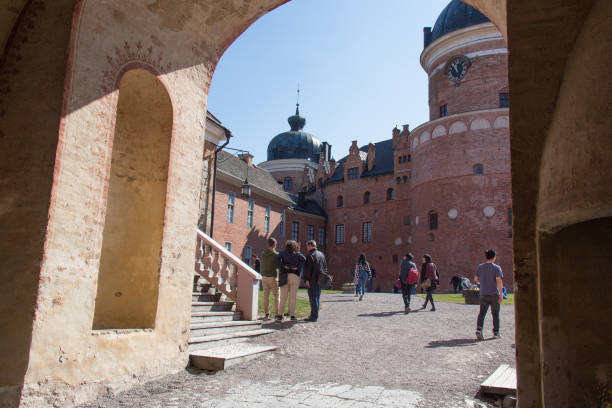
297	105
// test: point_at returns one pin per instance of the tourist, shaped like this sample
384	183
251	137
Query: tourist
291	261
255	263
429	280
409	277
362	274
315	271
456	282
489	275
269	277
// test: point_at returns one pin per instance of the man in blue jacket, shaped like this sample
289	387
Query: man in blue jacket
314	267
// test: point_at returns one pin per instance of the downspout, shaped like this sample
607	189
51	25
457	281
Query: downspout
228	135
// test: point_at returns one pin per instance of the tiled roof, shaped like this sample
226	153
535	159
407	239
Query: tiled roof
260	178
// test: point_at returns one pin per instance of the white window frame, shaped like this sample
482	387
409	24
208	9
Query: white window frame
339	234
267	220
295	231
231	202
250	213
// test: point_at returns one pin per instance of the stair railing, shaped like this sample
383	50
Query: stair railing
226	272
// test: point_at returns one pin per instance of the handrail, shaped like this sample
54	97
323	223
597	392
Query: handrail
228	274
228	254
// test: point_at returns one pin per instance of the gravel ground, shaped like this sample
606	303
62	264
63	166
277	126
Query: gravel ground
371	347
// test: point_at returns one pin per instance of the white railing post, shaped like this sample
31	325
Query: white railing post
238	282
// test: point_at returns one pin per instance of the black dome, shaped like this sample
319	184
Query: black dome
455	16
295	144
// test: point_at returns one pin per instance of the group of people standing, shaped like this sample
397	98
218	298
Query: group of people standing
281	275
410	277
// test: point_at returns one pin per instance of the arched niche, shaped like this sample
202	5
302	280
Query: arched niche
128	277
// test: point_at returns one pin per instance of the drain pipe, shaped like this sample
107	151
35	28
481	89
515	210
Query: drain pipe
228	135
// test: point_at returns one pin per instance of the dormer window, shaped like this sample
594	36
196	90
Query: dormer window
353	173
339	202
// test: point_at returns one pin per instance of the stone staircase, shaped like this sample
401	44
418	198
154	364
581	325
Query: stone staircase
218	336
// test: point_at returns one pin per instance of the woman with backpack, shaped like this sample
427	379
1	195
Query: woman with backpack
362	274
409	278
429	280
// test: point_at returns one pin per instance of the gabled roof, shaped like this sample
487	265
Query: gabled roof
258	178
383	162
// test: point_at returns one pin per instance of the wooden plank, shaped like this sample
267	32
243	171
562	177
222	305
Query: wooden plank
501	382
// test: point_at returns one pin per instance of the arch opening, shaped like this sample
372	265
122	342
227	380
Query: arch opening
128	280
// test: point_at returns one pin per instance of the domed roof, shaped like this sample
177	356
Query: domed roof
295	143
455	16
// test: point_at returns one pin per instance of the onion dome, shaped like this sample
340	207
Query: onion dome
295	143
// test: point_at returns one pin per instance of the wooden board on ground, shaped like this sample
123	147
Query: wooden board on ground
501	382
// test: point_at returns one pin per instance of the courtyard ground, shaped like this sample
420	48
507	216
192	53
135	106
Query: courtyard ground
359	354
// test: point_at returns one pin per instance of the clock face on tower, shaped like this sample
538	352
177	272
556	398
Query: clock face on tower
457	67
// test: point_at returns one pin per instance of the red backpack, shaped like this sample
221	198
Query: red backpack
413	275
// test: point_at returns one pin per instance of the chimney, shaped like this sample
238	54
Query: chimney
247	158
371	156
426	36
406	129
325	151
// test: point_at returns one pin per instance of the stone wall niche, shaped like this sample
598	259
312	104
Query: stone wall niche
575	322
128	278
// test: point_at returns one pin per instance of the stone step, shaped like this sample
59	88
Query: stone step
207	329
205	297
219	358
211	306
206	317
223	339
202	287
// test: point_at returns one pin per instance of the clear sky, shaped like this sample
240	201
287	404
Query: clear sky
357	63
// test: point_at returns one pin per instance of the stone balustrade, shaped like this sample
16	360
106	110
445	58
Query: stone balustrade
226	272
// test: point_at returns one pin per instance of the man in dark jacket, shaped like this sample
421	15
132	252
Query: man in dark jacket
269	278
315	265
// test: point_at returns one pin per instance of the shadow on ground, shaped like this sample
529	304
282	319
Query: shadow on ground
454	343
380	314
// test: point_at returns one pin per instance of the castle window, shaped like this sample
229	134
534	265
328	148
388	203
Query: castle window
433	220
390	194
504	100
366	197
353	173
310	232
295	231
231	199
340	234
409	157
288	185
395	258
399	159
321	236
281	225
398	180
267	220
247	255
443	110
366	232
250	211
478	169
510	216
339	202
406	220
404	179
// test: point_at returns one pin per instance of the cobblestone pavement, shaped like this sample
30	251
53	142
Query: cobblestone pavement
359	354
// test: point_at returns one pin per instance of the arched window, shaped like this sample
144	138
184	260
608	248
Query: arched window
339	202
478	169
288	185
433	220
366	197
390	193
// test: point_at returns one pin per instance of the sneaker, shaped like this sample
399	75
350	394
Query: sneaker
433	309
293	319
423	307
360	297
406	310
497	336
279	318
310	319
266	317
479	335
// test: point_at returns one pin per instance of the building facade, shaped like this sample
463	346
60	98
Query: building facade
442	188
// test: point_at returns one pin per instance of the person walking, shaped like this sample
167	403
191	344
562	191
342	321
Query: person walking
362	275
409	277
429	280
314	268
269	277
489	275
291	261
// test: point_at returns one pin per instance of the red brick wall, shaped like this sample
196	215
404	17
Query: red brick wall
304	220
237	232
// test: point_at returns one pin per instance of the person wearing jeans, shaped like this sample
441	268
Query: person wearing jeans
315	265
407	285
362	275
489	275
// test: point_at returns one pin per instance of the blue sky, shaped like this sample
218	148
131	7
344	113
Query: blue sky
357	63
